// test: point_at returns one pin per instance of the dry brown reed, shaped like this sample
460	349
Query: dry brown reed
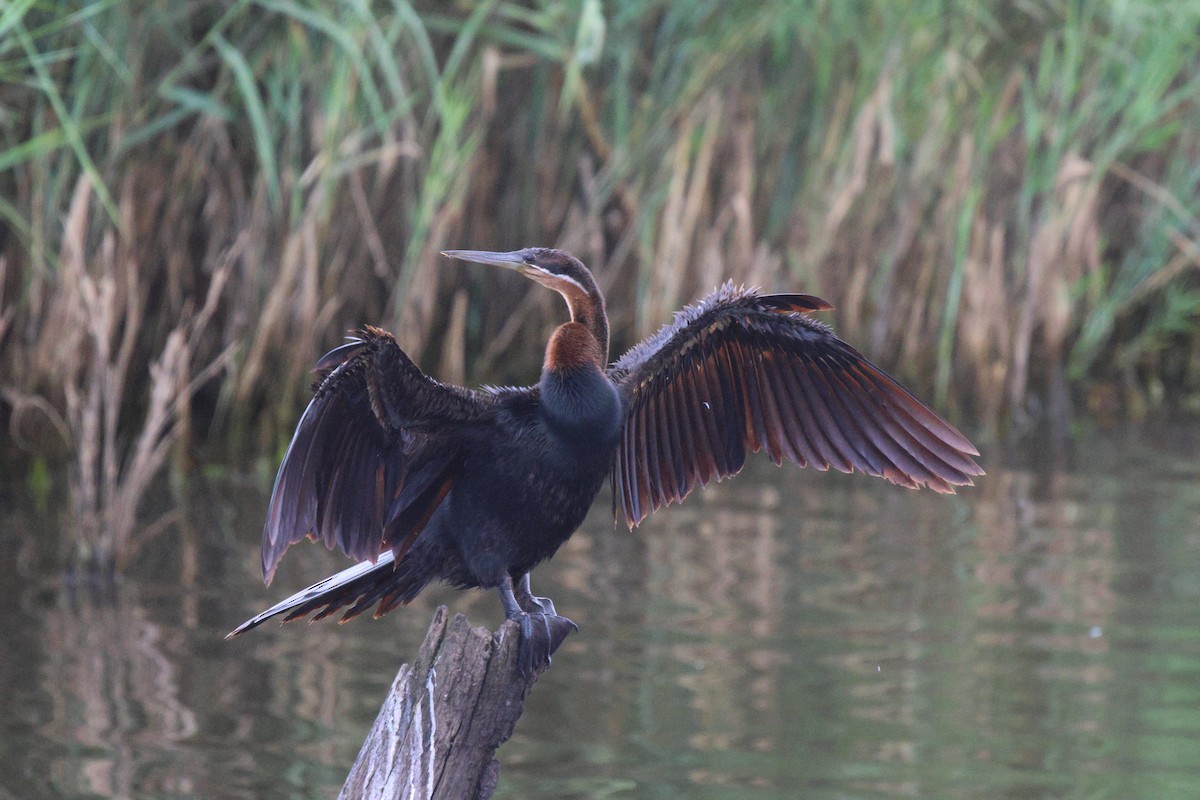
86	350
999	214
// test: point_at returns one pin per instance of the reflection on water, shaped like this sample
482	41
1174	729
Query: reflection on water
785	634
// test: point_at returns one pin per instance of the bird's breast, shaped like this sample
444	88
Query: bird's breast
527	488
580	408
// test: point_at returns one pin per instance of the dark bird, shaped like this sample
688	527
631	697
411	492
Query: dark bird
422	481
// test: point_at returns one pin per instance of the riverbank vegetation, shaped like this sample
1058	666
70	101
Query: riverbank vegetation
197	198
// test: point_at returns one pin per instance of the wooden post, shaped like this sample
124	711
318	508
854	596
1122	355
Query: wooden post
444	717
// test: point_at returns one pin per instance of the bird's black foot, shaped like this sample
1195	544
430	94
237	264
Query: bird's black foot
541	634
542	629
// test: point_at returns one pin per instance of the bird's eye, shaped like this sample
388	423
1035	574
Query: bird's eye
528	259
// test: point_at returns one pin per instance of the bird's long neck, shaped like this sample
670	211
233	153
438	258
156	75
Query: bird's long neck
591	313
572	345
588	311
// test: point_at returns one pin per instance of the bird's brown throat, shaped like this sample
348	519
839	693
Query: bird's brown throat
572	345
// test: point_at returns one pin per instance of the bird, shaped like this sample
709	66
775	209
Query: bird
422	481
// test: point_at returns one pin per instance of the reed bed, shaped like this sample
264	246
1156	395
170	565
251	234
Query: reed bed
1000	198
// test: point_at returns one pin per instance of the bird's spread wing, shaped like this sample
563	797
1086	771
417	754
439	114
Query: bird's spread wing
742	371
373	455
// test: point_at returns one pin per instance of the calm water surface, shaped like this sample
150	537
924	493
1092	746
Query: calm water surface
787	634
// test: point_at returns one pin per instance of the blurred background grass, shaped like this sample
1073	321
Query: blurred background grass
198	198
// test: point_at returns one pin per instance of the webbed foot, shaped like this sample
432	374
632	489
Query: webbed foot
541	634
542	629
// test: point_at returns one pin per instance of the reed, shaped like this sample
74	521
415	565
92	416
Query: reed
199	197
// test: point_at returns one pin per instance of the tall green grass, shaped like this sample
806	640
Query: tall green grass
999	198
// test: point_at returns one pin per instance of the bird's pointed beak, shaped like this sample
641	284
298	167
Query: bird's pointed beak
514	260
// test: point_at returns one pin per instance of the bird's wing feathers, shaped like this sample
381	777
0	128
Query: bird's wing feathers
741	371
371	457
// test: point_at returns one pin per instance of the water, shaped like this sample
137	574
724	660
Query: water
786	634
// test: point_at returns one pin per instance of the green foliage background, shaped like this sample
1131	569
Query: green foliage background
999	197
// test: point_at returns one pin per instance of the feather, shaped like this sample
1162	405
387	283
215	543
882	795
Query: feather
354	453
745	371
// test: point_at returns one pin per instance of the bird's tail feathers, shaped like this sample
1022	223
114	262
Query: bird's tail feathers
360	585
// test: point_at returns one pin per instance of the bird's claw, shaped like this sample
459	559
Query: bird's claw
541	634
542	629
537	605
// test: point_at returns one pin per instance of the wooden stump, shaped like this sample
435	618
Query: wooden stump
444	717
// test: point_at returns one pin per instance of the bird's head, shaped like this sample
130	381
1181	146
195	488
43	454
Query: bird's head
558	270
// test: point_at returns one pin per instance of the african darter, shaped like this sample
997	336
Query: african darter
419	480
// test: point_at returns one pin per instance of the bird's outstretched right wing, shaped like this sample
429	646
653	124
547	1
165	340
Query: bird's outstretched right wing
374	454
741	371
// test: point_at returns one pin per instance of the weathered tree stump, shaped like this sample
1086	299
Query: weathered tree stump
444	717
